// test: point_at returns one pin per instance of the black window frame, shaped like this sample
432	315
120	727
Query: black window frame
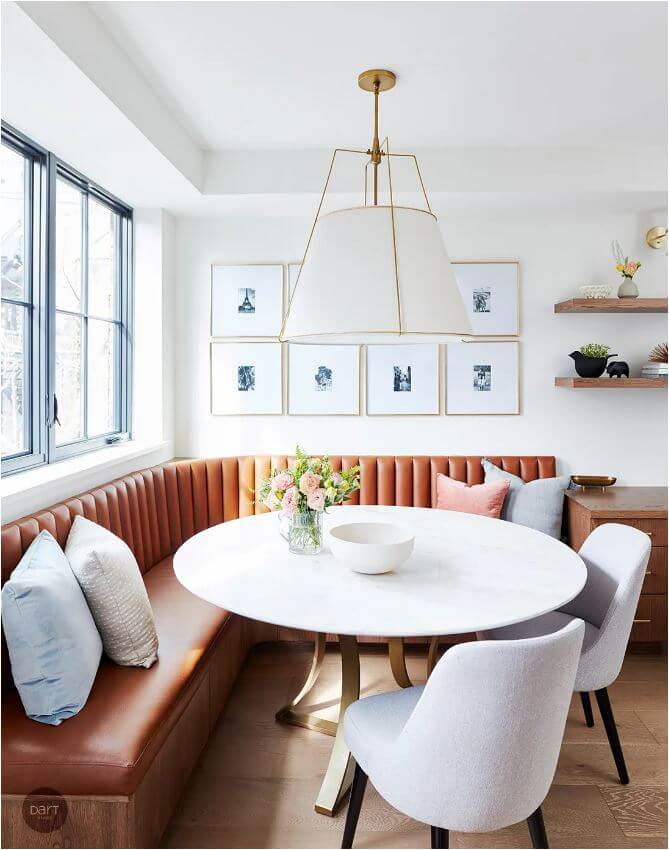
40	249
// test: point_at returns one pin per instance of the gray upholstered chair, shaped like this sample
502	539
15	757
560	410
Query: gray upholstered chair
475	749
616	557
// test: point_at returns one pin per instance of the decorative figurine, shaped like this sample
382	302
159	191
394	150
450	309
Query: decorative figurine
618	369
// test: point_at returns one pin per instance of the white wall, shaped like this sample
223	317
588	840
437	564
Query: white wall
623	433
153	327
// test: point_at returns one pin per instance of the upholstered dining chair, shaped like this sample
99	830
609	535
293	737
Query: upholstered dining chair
475	749
616	557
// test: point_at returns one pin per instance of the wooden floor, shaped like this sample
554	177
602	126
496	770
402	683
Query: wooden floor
256	783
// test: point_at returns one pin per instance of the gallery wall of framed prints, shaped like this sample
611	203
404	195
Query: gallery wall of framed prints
252	373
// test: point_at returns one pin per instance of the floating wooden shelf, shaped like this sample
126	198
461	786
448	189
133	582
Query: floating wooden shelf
612	305
612	383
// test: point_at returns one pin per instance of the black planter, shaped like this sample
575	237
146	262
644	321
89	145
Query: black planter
589	367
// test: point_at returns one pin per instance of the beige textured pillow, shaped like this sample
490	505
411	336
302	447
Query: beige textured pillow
110	579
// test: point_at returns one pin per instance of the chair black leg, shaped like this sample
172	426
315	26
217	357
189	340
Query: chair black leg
354	805
535	822
439	837
587	709
612	734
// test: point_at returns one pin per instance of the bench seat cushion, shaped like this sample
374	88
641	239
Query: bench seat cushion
109	745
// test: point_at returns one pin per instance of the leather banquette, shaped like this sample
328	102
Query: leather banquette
123	761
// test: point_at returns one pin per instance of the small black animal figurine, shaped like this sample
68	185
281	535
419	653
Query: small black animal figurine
618	369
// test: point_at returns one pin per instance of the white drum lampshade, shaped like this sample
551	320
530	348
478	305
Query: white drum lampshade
375	274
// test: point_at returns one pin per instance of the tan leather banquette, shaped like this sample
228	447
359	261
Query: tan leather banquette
123	761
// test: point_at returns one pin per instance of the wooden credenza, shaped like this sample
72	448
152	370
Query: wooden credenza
646	509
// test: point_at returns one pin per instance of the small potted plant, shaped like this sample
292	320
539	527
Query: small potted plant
590	360
303	493
627	268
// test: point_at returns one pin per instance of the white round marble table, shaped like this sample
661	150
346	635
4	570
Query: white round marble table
467	573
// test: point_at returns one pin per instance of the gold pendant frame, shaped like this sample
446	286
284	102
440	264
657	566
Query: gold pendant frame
375	81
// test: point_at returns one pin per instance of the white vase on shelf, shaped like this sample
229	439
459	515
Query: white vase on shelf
628	289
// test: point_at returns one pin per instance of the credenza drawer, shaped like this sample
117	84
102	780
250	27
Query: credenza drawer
656	529
656	572
650	620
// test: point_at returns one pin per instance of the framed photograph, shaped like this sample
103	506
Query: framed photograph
246	300
402	379
323	379
489	290
246	378
482	378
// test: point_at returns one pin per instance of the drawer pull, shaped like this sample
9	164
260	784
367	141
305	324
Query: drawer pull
641	621
649	572
649	533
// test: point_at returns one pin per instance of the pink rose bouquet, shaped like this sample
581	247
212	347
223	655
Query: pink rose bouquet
310	485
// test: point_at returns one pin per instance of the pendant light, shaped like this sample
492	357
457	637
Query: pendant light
376	272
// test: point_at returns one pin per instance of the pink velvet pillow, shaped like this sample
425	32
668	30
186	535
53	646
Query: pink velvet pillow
481	499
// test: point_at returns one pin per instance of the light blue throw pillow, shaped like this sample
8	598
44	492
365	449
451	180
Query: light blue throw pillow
54	646
537	504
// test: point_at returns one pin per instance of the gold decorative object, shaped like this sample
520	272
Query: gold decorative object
656	236
378	268
602	481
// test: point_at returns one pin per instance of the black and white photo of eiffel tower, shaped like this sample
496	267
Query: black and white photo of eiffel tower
246	300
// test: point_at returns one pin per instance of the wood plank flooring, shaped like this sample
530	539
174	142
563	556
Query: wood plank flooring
257	780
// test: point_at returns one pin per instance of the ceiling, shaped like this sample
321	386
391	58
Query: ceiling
278	75
220	109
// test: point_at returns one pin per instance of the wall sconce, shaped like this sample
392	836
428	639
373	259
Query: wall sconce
656	236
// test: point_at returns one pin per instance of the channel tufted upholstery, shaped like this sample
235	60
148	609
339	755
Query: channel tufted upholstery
157	509
140	726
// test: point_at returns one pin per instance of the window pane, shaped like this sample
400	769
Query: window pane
69	378
15	380
101	260
68	246
101	391
12	225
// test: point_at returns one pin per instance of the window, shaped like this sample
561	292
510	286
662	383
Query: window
66	260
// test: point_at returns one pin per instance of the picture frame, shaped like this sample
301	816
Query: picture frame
482	378
323	380
490	291
402	380
247	300
246	378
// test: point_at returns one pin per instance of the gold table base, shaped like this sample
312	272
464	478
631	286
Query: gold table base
339	774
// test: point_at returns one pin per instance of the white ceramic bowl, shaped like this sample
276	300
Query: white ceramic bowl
371	547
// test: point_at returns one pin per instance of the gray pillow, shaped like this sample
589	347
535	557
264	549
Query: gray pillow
113	586
54	647
537	504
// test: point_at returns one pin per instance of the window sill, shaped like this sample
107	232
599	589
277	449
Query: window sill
27	492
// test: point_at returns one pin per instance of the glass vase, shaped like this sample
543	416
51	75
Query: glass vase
305	534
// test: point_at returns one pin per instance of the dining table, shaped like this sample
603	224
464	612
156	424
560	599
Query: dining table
466	574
